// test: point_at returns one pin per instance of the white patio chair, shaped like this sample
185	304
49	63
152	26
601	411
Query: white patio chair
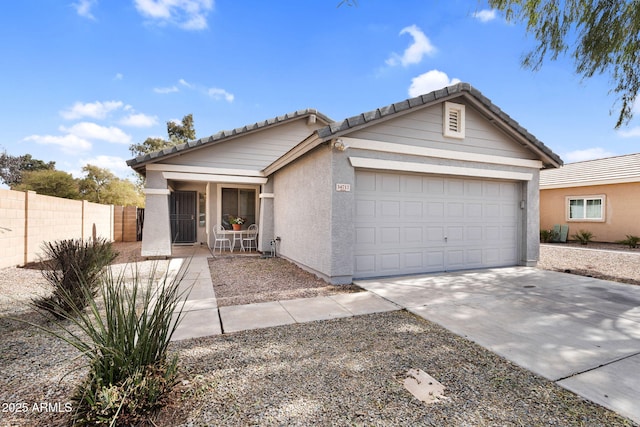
250	239
219	237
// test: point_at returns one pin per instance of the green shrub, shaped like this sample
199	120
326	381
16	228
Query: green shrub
126	346
583	236
547	236
631	241
70	266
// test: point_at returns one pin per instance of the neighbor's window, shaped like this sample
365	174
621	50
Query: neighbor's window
589	208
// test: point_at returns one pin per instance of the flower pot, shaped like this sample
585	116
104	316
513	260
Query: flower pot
236	227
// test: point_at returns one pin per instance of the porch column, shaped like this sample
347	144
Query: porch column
266	217
156	232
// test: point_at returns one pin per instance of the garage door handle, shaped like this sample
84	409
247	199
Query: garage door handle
445	238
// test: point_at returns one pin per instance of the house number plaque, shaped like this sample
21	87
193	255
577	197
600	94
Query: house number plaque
343	187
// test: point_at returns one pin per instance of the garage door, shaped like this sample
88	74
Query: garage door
411	223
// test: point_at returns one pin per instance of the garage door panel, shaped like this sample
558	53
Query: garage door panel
390	235
413	260
390	208
365	236
410	223
365	208
455	210
435	209
412	210
365	181
413	235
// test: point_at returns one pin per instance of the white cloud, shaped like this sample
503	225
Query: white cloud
415	52
115	164
87	130
95	110
118	76
218	94
185	83
186	14
586	154
83	8
139	120
430	81
165	90
69	143
485	15
633	132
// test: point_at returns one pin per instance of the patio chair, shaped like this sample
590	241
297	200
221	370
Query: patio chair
219	237
249	241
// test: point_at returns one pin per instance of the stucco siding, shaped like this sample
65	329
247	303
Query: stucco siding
302	211
621	214
253	151
423	128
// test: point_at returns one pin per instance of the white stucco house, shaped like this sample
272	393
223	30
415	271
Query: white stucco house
441	182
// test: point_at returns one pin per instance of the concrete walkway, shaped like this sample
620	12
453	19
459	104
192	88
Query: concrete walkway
580	332
202	317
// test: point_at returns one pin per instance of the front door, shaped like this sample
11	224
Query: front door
183	214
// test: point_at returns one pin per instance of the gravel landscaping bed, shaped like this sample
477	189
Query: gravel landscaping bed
265	279
600	260
340	372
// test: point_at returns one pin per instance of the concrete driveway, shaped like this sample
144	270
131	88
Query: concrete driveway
580	332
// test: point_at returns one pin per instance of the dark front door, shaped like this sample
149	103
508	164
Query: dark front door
183	216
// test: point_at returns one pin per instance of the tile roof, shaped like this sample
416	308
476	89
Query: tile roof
611	170
339	128
225	134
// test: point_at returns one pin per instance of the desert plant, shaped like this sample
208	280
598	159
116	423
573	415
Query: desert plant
547	236
125	343
70	266
631	241
583	236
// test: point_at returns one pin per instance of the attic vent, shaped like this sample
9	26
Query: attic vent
453	120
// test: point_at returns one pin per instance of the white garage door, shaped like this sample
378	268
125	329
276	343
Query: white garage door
410	223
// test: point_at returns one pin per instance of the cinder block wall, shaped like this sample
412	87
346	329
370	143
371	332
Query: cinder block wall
28	219
12	227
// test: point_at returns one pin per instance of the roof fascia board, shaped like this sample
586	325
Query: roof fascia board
387	147
227	135
590	183
296	152
201	177
391	116
514	133
378	164
163	167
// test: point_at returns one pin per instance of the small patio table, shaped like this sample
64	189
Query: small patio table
237	237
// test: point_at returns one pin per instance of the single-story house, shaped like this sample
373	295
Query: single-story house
600	196
440	182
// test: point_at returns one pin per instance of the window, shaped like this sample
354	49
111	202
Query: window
238	202
453	120
585	208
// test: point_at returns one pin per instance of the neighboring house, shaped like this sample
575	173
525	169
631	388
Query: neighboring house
601	196
444	181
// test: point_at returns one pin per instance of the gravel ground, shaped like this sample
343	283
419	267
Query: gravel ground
340	372
270	279
601	260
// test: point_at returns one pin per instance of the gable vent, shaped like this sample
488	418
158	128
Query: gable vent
453	120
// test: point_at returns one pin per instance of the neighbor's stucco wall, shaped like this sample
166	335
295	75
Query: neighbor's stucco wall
621	214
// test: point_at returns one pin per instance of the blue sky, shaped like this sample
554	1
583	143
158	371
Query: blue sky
82	80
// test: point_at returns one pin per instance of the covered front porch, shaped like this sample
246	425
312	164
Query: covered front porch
184	207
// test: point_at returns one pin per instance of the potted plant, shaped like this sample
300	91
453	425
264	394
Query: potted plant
236	222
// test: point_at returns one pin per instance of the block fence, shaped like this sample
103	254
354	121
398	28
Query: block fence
28	219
